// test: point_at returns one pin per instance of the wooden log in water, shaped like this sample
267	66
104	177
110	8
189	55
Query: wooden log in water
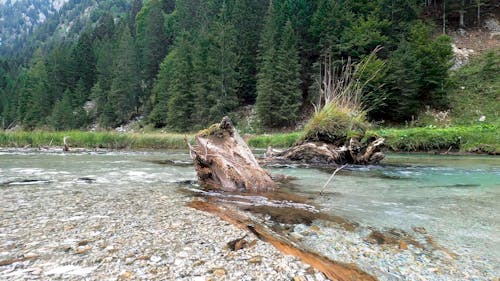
332	269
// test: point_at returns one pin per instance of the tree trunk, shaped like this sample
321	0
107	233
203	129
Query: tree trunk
223	161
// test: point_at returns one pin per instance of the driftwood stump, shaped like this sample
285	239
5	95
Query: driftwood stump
327	153
223	161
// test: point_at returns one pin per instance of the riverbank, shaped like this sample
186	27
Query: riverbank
483	139
94	140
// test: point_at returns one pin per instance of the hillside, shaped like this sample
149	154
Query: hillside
181	65
28	24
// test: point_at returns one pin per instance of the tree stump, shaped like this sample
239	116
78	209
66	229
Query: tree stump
223	161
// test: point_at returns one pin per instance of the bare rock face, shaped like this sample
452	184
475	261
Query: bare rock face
223	161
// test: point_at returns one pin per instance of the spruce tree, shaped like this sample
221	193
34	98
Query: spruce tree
34	106
288	98
247	20
124	90
266	77
151	40
83	62
160	93
214	65
180	104
62	117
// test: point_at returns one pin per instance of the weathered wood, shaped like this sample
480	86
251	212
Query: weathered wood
224	161
323	153
332	269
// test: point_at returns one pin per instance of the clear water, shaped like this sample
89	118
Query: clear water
455	198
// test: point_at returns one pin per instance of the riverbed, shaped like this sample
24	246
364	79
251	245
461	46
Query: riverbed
122	215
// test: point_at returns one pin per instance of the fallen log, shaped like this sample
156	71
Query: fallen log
332	269
326	153
223	161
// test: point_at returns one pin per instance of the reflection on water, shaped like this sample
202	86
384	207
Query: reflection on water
454	198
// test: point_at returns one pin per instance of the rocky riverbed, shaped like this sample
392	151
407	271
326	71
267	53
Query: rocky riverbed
123	216
97	233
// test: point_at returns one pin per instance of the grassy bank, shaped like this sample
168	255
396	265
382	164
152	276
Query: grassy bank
478	138
107	140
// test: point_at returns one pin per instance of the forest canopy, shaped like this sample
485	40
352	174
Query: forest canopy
184	64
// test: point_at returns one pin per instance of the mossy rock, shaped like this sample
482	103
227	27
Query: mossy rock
335	125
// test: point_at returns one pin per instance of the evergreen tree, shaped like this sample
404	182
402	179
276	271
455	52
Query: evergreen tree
214	66
136	7
105	28
289	97
123	95
266	77
33	106
180	104
83	62
62	117
247	20
151	40
105	52
98	95
160	94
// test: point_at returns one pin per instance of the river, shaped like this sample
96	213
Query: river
453	199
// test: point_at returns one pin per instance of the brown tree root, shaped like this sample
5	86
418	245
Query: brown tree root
332	269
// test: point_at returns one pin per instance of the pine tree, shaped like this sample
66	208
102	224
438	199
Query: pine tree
160	93
62	117
123	95
151	40
247	20
33	104
180	104
98	95
288	99
83	62
214	65
266	77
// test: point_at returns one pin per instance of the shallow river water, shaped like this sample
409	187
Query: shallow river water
456	199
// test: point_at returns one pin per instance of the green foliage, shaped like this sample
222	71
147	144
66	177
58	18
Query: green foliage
479	138
278	85
181	101
475	90
124	92
159	97
214	68
151	39
62	117
417	74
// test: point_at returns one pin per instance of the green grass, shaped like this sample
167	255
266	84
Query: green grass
274	140
483	138
475	90
107	140
478	138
